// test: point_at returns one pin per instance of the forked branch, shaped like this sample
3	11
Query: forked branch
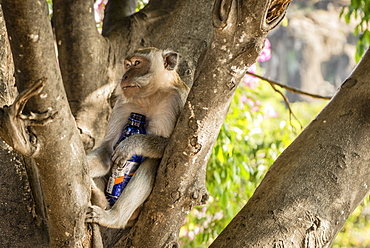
14	129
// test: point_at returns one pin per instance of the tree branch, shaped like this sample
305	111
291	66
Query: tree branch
14	125
85	58
117	9
287	103
316	183
235	45
294	90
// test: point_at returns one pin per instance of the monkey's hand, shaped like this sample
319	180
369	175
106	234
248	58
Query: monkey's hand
151	146
121	154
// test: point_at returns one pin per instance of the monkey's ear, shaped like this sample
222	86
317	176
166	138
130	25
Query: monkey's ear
170	60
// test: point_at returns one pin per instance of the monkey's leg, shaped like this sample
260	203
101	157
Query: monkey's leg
132	197
99	160
98	197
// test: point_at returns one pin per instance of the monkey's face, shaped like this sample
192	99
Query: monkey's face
136	77
148	71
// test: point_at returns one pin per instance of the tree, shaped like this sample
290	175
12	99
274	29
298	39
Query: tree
218	40
316	182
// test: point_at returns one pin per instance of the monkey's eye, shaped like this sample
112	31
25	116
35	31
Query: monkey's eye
137	62
128	65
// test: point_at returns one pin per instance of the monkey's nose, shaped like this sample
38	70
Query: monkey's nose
125	77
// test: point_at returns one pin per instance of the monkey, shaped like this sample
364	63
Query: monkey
152	87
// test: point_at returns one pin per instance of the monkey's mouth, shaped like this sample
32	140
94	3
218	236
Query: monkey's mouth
129	86
130	89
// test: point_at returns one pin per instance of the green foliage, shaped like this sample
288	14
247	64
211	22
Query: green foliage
255	132
50	7
359	12
141	4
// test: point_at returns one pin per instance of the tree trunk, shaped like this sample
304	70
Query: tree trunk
237	41
317	182
18	195
56	147
84	59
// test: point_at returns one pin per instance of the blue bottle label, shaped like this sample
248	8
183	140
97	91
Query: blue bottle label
121	176
114	186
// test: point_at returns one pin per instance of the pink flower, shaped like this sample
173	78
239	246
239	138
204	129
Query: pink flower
254	105
243	100
185	233
266	52
271	112
191	235
99	7
251	81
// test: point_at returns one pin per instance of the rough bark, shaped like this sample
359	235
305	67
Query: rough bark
84	58
116	10
20	206
60	159
317	181
240	28
22	223
7	87
188	31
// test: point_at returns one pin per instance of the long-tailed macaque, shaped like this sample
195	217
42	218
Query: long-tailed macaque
150	86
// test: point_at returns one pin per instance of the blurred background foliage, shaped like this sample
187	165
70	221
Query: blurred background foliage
358	11
257	129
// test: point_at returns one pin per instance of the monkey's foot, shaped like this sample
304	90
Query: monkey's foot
95	214
103	217
108	218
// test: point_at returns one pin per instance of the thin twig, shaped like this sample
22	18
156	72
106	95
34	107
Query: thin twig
286	100
294	90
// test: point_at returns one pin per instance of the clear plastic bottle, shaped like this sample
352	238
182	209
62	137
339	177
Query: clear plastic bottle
121	176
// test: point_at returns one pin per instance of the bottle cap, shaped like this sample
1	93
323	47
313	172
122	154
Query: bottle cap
137	117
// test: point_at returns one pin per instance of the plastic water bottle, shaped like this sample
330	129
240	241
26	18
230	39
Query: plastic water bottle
121	176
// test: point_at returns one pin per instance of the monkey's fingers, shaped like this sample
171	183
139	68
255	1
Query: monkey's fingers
120	163
118	160
94	214
115	156
108	218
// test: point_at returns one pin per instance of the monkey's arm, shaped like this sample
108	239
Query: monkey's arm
150	146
